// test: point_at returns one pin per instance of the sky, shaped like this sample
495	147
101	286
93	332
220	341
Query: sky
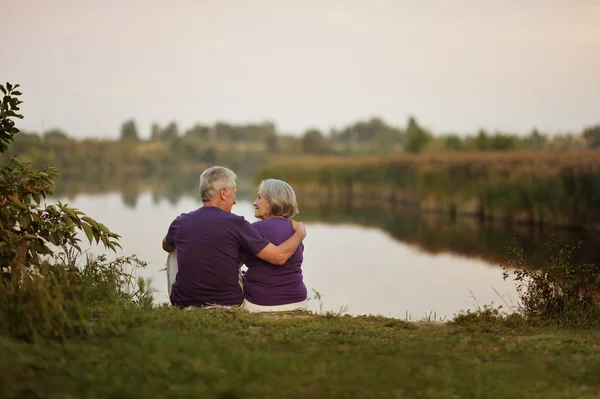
85	66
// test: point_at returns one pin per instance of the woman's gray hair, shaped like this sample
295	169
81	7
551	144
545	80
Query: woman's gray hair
281	196
213	179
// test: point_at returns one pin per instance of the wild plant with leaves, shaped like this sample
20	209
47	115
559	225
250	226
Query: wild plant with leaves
43	290
560	291
29	228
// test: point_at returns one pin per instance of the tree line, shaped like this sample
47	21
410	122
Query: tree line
169	148
363	137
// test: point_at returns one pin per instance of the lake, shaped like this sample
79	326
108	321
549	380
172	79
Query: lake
362	269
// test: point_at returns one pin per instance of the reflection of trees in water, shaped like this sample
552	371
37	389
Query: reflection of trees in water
432	233
437	234
170	187
169	184
129	199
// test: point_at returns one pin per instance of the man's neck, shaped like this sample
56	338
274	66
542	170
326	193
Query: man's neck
216	204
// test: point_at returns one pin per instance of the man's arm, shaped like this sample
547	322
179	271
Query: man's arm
279	254
166	246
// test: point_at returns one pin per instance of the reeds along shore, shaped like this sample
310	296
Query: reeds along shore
559	189
434	233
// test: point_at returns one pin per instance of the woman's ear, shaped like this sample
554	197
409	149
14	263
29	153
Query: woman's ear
223	193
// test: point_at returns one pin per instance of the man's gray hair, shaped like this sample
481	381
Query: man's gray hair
213	179
281	196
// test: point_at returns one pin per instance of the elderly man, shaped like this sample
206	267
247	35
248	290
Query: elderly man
208	242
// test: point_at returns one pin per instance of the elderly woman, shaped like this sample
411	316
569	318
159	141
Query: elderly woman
268	287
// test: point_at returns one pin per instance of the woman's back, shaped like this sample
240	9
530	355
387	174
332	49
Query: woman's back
271	285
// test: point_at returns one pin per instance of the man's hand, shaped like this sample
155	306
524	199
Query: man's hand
299	227
278	255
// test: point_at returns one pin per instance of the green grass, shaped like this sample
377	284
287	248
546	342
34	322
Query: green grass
167	352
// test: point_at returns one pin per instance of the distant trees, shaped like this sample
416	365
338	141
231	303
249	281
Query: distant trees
199	131
129	131
155	132
55	135
170	132
204	143
453	143
481	142
503	142
498	142
372	130
592	136
252	132
416	137
536	140
313	142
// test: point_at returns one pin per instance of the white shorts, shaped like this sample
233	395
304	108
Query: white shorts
251	307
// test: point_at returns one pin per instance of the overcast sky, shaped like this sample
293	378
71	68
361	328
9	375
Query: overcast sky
457	65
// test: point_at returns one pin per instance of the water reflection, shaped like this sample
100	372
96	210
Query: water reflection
432	233
437	234
172	187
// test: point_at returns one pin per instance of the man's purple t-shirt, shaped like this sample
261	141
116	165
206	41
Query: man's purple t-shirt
270	285
208	242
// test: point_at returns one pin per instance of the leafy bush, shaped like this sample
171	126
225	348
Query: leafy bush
43	291
561	291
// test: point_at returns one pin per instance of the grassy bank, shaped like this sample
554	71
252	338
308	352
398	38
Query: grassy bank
168	352
536	188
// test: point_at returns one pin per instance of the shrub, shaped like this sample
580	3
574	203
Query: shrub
59	299
43	291
560	292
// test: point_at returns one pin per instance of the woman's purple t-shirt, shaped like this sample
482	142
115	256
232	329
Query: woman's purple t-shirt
270	285
208	242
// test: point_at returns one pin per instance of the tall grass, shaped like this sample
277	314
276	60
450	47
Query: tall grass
59	299
531	187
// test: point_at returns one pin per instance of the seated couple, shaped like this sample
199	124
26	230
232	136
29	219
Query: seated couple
212	244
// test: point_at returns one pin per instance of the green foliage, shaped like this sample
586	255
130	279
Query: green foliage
56	136
170	132
416	137
155	132
129	131
481	142
557	292
45	294
29	229
313	142
536	141
453	143
8	110
547	188
498	142
561	291
592	136
503	142
372	130
58	299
